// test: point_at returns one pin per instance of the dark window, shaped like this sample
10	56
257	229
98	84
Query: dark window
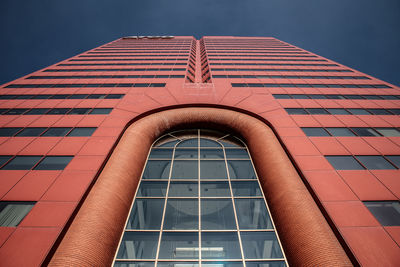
338	111
317	111
57	131
16	111
315	131
79	111
78	96
365	131
296	111
386	212
395	160
300	96
9	131
96	96
344	163
282	96
101	111
114	96
83	131
358	111
388	131
41	96
377	111
58	111
37	111
375	162
22	163
31	132
4	159
54	163
395	111
13	212
59	97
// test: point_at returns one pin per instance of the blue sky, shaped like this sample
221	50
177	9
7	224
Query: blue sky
362	34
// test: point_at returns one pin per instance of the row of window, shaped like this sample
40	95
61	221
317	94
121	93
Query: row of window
145	48
305	85
317	96
269	59
79	85
55	111
210	51
104	76
69	96
364	162
296	70
45	131
275	64
352	131
182	51
34	162
266	55
292	77
127	59
147	69
342	111
157	55
125	64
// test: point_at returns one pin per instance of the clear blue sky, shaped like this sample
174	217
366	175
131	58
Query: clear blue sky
362	34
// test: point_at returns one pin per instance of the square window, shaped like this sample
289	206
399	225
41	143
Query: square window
101	111
337	131
157	169
217	214
13	212
213	169
386	212
22	163
241	169
54	163
375	162
220	246
9	131
261	245
183	189
179	245
31	131
82	131
152	189
146	214
315	131
181	214
138	245
252	214
344	163
57	131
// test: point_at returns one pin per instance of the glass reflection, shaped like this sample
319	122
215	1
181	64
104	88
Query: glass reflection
160	153
185	169
152	189
252	214
186	153
245	189
215	189
260	245
208	143
146	214
183	189
236	153
193	142
213	169
211	153
241	169
181	214
138	245
220	246
157	169
179	246
217	214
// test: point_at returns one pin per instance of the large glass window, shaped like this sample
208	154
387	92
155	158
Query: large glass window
199	203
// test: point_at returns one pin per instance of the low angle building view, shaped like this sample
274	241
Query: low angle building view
218	151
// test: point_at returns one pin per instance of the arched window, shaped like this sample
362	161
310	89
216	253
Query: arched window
199	203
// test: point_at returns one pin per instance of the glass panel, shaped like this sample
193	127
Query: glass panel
265	264
217	214
79	111
186	153
177	264
58	111
338	111
211	153
152	189
146	214
344	163
101	111
22	163
245	189
260	245
157	153
317	111
179	246
365	131
4	159
183	189
31	132
133	264
16	111
208	143
138	245
213	169
378	111
54	163
185	169
236	153
215	189
395	160
358	111
9	131
375	162
37	111
189	143
220	246
315	131
181	214
296	111
386	212
300	96
388	131
340	131
241	169
157	169
57	131
12	212
84	131
79	96
252	214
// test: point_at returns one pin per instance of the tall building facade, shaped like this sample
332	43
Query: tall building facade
223	151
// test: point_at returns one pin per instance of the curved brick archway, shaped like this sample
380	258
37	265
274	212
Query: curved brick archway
94	234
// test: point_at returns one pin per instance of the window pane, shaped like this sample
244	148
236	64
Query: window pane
31	132
160	153
37	111
9	131
252	214
220	246
260	245
179	246
16	111
317	111
388	131
378	111
241	169
358	111
386	212
215	189
344	163
146	214
152	189
101	111
22	163
395	111
300	96
211	153
338	111
281	96
4	159
217	214
296	111
114	96
157	169
183	189
245	189
181	214
12	213
365	131
395	160
134	264
79	111
138	245
57	131
54	163
236	153
185	169
79	96
315	131
84	131
265	264
193	142
186	153
375	162
58	111
340	131
208	143
213	169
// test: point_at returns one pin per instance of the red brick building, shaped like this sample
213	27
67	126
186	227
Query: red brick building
75	138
